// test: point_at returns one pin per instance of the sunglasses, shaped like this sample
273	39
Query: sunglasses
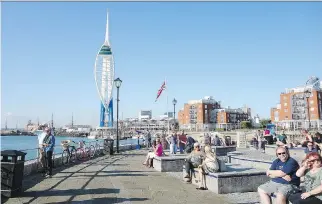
281	153
314	160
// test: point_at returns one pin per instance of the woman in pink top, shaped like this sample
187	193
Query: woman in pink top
157	151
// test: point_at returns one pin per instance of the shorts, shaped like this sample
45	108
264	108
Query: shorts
271	187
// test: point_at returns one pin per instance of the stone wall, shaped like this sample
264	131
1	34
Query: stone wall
238	178
171	163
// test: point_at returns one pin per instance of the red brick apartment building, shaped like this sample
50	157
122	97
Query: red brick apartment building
292	111
207	114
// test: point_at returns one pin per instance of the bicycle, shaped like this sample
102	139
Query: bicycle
97	148
84	151
90	150
69	152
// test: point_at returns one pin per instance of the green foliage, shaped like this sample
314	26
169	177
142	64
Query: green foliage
219	129
264	122
245	124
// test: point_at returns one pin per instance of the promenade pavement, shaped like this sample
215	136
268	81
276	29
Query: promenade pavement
112	179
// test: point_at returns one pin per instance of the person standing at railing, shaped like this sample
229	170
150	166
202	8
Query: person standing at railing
41	151
49	144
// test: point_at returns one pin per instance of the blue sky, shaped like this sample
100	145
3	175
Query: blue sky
240	53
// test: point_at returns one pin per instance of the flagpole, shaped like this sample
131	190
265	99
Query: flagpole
166	86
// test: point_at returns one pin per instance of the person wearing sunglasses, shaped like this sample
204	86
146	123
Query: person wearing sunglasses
312	172
310	148
283	178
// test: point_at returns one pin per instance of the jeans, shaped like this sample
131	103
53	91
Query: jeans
173	149
188	166
296	199
49	159
181	147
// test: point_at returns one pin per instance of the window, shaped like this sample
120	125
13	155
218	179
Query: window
311	101
284	97
285	104
312	109
285	110
205	106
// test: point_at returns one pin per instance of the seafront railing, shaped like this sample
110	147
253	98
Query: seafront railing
58	150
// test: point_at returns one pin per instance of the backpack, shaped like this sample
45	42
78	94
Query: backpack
267	132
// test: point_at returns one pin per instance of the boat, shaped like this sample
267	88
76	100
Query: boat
93	135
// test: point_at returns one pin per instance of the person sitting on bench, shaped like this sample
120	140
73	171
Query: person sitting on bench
193	160
209	165
283	178
157	151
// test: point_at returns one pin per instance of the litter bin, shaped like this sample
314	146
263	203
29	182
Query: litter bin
108	146
12	166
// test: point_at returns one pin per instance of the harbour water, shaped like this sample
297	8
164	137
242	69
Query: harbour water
29	143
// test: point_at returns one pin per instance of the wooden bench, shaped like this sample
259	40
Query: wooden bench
237	178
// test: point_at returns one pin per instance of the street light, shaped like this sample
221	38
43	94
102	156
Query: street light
307	94
118	83
174	102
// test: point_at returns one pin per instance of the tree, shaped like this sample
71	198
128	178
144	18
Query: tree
264	122
245	124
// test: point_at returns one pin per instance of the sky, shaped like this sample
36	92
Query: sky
238	52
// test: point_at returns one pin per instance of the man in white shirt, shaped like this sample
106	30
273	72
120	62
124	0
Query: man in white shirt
41	151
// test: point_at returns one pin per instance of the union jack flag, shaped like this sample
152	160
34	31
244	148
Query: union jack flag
160	91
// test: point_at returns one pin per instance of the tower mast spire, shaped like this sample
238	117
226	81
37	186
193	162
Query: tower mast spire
72	119
106	42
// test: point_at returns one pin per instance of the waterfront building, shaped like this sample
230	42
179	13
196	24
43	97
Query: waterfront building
30	127
296	111
208	114
168	114
145	115
77	128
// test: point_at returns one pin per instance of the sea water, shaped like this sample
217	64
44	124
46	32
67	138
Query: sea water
28	144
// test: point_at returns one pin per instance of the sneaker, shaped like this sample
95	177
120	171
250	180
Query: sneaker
187	176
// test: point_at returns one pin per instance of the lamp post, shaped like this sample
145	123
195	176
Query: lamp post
174	102
118	83
307	94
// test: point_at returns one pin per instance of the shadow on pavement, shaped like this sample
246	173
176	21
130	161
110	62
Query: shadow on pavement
37	194
104	200
110	175
116	171
70	192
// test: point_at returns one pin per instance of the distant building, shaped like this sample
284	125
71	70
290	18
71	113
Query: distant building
207	114
170	114
77	128
145	115
295	110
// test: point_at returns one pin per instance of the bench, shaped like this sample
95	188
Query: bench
237	178
297	152
221	151
172	163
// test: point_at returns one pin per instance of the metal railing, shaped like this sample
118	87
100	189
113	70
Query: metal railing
58	149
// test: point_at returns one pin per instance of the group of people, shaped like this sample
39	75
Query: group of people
312	142
200	157
285	173
46	142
